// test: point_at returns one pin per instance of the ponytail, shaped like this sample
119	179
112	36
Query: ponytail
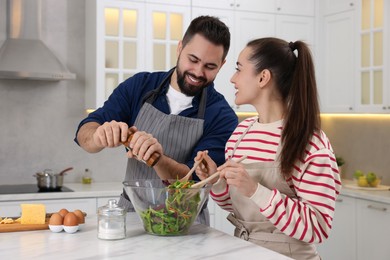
294	76
303	113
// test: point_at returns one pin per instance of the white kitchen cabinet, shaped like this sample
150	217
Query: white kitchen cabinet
337	81
337	6
373	229
360	231
218	218
354	57
296	7
265	20
12	208
265	6
341	244
126	37
165	27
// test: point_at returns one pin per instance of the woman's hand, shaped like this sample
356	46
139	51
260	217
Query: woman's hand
206	167
236	175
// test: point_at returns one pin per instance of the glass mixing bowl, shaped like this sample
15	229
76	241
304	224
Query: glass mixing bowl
166	211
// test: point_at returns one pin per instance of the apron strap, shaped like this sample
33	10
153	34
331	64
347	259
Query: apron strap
243	233
151	96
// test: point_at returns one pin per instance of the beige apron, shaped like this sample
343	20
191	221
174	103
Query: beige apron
177	134
252	226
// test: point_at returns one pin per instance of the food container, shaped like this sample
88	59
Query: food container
166	211
111	221
48	180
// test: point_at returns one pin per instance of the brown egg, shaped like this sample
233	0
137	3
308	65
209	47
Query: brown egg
63	212
80	216
56	219
70	219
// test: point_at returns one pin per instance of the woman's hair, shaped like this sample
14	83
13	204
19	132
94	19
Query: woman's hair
294	77
212	29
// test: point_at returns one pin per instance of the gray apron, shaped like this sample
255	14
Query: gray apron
252	226
178	136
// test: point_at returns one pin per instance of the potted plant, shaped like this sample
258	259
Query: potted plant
340	162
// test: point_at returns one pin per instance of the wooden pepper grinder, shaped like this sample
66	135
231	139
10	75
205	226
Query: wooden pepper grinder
153	158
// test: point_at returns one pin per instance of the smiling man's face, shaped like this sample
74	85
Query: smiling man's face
198	64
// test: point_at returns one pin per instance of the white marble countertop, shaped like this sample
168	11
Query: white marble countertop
201	243
114	189
93	190
373	195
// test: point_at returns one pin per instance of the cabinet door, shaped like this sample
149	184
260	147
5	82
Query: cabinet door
262	24
373	229
266	6
170	2
220	4
337	84
165	27
293	28
341	243
296	7
114	52
337	6
261	6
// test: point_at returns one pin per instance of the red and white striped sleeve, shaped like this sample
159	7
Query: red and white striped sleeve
316	181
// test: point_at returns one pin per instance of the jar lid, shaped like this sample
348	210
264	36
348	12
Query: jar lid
111	208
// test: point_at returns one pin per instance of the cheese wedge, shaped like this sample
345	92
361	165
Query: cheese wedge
33	214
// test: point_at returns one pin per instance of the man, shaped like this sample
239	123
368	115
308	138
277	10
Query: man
175	113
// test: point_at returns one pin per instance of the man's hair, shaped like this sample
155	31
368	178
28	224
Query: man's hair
212	29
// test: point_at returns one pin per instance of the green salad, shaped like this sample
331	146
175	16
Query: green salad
178	213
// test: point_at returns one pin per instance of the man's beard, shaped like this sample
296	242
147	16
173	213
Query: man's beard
189	89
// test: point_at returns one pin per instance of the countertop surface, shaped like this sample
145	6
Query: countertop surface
372	194
93	190
114	189
202	242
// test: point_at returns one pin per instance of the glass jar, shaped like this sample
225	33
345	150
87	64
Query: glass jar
111	221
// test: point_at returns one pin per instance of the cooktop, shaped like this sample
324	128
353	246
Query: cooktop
28	188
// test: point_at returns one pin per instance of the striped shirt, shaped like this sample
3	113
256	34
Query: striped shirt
315	180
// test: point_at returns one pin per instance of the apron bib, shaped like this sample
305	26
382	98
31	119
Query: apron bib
252	226
178	136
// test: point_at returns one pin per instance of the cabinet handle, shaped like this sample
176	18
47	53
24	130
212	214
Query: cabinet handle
350	108
231	5
376	208
384	108
278	8
339	200
350	4
238	5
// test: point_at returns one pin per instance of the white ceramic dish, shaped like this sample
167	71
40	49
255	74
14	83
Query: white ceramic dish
71	229
56	228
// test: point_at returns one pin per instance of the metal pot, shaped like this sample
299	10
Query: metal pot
48	180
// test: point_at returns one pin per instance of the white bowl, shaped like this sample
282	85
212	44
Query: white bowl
56	228
71	229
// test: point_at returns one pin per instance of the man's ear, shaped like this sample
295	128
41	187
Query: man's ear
179	48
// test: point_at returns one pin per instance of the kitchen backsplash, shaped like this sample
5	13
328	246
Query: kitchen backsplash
39	118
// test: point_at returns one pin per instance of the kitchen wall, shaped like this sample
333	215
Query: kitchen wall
39	118
363	141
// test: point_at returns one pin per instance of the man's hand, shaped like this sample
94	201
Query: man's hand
143	145
94	137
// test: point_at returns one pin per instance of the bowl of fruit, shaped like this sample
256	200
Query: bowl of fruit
369	179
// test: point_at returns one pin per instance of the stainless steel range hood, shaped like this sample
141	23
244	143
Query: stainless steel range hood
23	55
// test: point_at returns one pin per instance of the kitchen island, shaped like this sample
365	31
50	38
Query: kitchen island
201	243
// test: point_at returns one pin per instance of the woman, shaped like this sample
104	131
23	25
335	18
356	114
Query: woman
283	195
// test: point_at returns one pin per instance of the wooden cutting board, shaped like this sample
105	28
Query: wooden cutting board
15	227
